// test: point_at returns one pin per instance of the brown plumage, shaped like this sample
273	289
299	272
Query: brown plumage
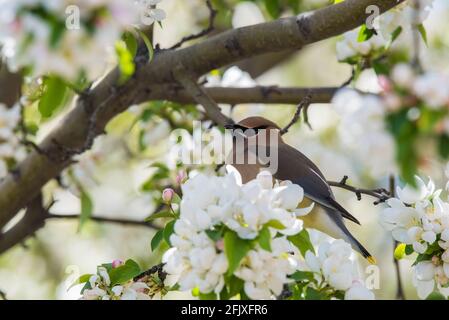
297	168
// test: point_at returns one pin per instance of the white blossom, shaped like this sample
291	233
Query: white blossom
28	37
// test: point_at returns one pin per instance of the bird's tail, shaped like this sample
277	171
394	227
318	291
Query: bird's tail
360	248
356	245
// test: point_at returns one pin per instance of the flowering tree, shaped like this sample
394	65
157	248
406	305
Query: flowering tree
90	87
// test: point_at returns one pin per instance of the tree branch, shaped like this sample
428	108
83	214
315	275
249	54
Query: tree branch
400	295
381	194
302	106
10	86
124	222
33	220
218	51
212	15
200	96
258	94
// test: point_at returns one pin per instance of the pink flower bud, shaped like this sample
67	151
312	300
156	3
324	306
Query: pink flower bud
435	260
181	177
385	83
220	245
167	195
117	263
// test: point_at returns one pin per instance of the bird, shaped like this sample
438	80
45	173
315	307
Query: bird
292	166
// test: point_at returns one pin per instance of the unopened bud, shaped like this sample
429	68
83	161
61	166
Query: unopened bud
167	195
181	177
117	263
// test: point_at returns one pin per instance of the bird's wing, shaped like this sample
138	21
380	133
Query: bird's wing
296	167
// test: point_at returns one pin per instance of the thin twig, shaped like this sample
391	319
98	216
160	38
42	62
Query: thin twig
400	290
351	78
302	106
381	194
157	268
124	222
416	62
209	29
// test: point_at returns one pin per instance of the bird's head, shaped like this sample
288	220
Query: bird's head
253	126
255	123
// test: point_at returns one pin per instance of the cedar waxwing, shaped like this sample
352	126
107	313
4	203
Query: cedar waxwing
294	166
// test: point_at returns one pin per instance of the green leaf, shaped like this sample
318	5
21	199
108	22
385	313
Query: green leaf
313	294
422	257
131	42
157	238
86	209
107	266
163	214
302	276
405	134
235	250
87	286
124	273
148	44
82	279
436	296
443	146
380	68
235	286
275	224
409	249
399	252
273	8
208	296
168	231
214	235
54	96
125	61
365	33
423	32
302	242
396	33
264	239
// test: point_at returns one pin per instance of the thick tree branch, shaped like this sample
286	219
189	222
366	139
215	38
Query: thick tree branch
200	96
10	86
32	221
259	94
218	51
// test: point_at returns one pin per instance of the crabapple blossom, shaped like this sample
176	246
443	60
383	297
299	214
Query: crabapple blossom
334	264
27	34
403	16
419	218
245	209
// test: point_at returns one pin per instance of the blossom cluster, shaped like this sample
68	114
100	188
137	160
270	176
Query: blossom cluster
387	27
362	118
334	269
419	219
404	88
409	102
11	150
219	203
68	38
250	234
100	286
